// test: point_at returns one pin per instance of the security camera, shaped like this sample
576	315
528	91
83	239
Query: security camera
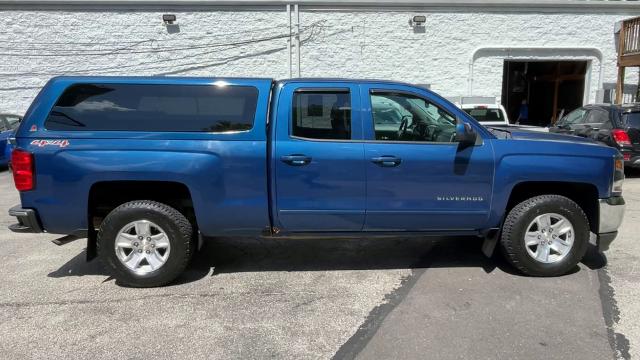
418	20
168	19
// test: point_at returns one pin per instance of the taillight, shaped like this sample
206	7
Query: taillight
621	137
22	165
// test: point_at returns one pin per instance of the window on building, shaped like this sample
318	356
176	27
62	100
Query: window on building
133	107
322	115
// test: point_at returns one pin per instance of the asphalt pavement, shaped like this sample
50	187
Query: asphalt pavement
431	298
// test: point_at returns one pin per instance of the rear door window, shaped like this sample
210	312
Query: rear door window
597	116
147	107
631	120
322	114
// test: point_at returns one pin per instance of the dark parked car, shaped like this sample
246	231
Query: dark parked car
615	125
8	125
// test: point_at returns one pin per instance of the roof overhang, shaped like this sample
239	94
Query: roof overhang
489	5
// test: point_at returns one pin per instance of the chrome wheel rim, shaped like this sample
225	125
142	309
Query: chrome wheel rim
549	238
142	247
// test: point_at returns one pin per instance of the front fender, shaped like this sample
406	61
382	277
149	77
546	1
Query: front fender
530	161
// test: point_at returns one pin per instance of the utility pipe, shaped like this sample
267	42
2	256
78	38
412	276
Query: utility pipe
289	42
297	38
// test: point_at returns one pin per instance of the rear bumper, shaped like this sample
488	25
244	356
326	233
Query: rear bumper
610	218
27	220
632	162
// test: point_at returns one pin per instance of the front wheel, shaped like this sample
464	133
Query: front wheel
145	243
545	235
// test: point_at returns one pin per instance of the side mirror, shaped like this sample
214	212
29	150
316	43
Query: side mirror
465	135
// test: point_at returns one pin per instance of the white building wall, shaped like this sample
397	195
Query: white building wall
213	43
36	45
382	45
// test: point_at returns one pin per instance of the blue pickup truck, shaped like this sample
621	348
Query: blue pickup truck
144	167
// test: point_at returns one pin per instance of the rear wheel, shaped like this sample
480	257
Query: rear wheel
545	235
145	243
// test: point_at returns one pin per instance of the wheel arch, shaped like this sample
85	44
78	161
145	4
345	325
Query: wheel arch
582	193
104	196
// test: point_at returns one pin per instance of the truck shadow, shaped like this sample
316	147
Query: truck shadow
234	255
224	255
78	266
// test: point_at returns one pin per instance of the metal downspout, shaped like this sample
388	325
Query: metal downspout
297	38
289	67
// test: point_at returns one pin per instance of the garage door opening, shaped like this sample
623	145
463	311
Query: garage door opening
550	88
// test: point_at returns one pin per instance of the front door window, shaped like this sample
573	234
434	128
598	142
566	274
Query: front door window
404	117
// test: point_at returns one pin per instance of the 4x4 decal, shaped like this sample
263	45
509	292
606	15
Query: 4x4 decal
58	143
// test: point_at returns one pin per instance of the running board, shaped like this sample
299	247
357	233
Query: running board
65	240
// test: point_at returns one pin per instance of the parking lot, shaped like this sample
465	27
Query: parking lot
297	299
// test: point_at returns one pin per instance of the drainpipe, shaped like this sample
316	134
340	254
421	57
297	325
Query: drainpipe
289	67
297	38
581	51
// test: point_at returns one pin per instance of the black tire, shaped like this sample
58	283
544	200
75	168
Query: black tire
175	225
515	227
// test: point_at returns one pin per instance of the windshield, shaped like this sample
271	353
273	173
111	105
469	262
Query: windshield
483	114
13	121
631	120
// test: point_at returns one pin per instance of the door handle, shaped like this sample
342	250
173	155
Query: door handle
296	160
386	161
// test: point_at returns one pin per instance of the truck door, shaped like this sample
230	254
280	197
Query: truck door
318	158
418	178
